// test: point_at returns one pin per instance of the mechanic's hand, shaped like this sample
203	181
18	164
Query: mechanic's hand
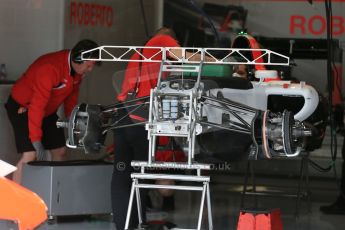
40	151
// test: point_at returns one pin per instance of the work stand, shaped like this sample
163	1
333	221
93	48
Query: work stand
203	187
163	120
302	189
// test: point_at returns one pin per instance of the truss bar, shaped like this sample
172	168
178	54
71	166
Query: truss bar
149	176
183	55
228	125
202	204
239	130
130	204
168	134
176	165
123	126
183	68
238	106
114	109
137	193
233	112
123	106
174	187
209	208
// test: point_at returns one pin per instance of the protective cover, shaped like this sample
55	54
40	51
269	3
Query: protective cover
21	205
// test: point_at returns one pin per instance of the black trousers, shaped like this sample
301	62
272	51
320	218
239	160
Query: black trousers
53	137
338	111
342	185
130	144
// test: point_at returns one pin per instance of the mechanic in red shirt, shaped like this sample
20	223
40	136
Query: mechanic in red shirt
50	81
132	143
147	72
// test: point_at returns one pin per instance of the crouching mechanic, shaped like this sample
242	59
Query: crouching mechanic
50	81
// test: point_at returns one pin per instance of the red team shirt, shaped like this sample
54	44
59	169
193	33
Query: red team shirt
148	72
145	78
45	86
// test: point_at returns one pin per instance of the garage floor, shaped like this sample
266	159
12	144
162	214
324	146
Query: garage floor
277	178
226	197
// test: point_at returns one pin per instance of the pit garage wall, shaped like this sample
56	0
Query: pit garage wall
295	19
28	29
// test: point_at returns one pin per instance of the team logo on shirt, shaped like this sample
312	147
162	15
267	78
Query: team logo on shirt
61	84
